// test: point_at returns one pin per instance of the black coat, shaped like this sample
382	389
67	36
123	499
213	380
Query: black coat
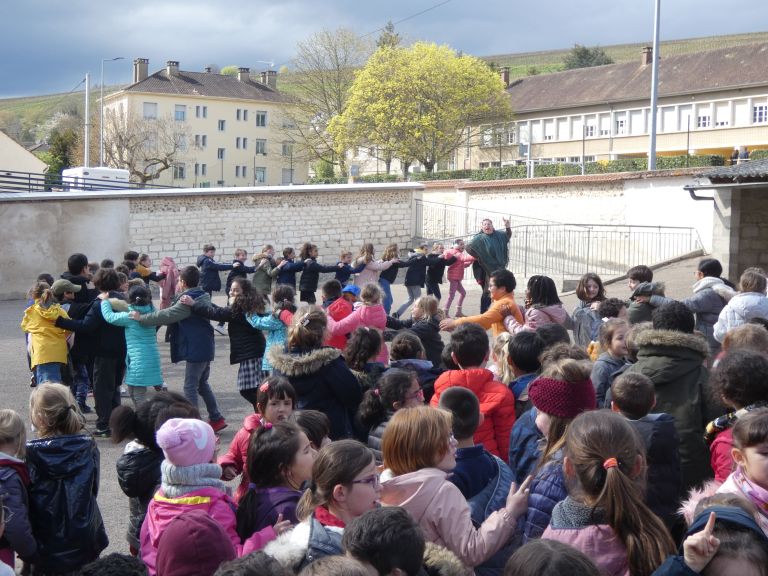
241	271
436	269
245	341
322	382
138	473
390	274
311	274
664	486
66	520
374	438
103	339
428	332
417	270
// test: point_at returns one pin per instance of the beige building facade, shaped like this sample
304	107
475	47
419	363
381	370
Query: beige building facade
229	130
17	159
712	102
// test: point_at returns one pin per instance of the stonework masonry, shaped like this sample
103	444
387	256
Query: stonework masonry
40	230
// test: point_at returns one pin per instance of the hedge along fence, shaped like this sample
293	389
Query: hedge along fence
519	171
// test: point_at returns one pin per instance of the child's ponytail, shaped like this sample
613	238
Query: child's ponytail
42	292
608	459
362	347
54	412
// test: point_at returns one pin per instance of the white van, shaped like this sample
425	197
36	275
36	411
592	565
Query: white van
83	178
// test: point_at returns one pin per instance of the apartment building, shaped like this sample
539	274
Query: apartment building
230	130
711	102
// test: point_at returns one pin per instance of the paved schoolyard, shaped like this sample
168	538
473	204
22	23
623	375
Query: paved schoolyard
14	385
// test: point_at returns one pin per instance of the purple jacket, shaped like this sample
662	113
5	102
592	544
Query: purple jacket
273	502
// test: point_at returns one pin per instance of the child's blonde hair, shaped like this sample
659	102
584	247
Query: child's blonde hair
500	350
430	306
42	291
370	294
390	252
366	253
12	431
54	412
344	254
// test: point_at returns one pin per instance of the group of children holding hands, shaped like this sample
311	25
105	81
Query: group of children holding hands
519	455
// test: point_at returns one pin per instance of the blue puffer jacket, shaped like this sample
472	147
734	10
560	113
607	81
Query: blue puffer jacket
192	338
66	521
547	489
524	446
18	536
276	335
143	359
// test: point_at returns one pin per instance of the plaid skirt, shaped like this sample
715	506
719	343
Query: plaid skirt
249	375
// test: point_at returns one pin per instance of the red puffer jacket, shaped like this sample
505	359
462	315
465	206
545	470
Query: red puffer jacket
497	405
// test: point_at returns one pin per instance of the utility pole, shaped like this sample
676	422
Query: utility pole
87	151
654	87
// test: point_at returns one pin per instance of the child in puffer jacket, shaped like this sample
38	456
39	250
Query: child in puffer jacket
192	481
749	303
138	469
371	314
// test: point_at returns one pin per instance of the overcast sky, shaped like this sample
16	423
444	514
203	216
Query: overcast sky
48	45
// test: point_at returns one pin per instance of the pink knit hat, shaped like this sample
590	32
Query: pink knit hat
562	399
186	441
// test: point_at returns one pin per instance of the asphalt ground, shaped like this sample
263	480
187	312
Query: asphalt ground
14	385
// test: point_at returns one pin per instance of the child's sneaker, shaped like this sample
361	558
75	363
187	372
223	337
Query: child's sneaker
123	392
84	408
218	425
106	433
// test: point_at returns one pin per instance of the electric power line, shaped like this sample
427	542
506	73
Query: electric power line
409	17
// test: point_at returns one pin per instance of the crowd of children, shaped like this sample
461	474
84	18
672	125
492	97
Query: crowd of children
637	445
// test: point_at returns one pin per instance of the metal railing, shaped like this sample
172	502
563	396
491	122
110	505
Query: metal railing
561	250
12	181
435	220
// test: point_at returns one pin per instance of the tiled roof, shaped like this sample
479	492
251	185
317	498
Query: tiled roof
708	71
751	171
205	84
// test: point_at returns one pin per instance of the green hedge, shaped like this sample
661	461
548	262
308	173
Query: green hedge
549	170
758	155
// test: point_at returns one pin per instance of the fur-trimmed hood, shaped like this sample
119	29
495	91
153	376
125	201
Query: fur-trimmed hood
672	339
301	363
439	561
118	305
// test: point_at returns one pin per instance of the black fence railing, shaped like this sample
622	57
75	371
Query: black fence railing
13	181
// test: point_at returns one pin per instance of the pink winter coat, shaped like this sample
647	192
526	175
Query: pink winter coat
456	270
168	284
238	450
539	316
441	510
370	274
372	316
213	502
599	542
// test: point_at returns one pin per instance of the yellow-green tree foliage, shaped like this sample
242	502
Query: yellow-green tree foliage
417	102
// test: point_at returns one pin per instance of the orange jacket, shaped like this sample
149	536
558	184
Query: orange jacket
497	405
492	318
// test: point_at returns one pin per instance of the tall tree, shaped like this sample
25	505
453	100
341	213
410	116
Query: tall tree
418	101
145	147
583	57
61	152
388	36
323	71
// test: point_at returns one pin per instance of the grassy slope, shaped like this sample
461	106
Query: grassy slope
33	111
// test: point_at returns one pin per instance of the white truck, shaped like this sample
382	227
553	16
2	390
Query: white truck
84	178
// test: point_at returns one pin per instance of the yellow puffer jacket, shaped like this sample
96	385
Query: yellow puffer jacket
47	343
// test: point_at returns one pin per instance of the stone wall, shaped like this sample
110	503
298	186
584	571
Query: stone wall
41	230
741	229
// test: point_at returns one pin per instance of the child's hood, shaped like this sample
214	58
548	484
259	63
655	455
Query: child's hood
50	312
61	456
119	305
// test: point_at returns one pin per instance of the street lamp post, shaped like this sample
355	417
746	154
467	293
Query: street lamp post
101	106
654	87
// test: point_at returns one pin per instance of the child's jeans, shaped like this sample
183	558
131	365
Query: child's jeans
414	293
196	382
387	289
138	394
48	372
80	382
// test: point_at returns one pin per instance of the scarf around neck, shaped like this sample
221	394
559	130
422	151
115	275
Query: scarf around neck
728	420
757	494
180	480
